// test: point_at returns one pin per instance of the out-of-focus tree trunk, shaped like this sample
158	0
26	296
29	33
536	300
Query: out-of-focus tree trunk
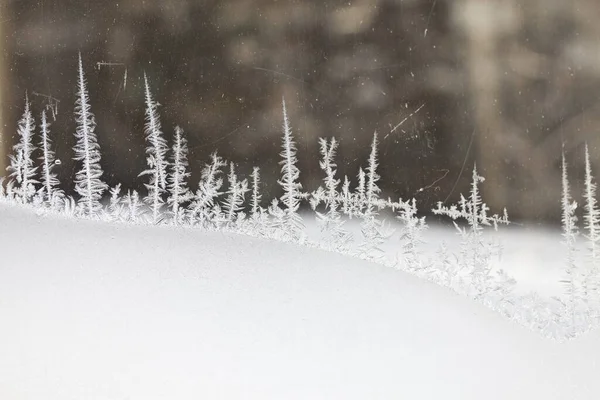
530	73
486	27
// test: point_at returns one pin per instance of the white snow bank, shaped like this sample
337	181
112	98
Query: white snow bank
92	311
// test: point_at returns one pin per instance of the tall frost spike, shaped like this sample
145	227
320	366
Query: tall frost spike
592	213
592	227
372	188
292	223
569	228
256	196
177	179
476	251
49	190
411	232
21	166
88	184
373	230
155	156
331	222
209	189
234	203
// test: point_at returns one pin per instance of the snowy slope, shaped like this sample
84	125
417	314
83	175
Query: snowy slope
534	256
96	311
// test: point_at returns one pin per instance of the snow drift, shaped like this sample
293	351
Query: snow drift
112	311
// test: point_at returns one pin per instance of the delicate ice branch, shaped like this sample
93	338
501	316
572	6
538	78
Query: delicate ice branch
256	197
21	167
592	213
373	230
88	184
330	222
569	228
476	252
592	227
115	205
50	182
372	189
411	234
234	203
201	209
155	156
177	179
134	206
289	182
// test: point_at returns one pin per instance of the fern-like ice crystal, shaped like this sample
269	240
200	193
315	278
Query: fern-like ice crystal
88	182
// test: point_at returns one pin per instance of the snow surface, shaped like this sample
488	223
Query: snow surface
533	255
96	311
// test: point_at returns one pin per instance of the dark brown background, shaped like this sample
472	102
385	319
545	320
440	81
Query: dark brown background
515	78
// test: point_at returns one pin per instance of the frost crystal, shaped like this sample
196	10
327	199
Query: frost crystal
476	253
569	225
21	167
155	156
177	178
49	190
213	207
88	184
234	202
289	182
202	209
330	222
374	231
592	228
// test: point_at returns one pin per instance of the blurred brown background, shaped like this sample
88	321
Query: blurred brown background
502	82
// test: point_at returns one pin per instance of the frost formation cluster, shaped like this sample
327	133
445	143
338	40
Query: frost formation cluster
223	200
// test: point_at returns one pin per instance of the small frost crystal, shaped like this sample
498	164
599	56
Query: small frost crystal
177	179
49	190
134	207
474	210
361	188
202	209
411	234
234	202
331	221
476	252
258	224
292	194
21	167
256	209
373	190
346	197
156	152
88	184
70	206
115	206
569	227
592	228
368	205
